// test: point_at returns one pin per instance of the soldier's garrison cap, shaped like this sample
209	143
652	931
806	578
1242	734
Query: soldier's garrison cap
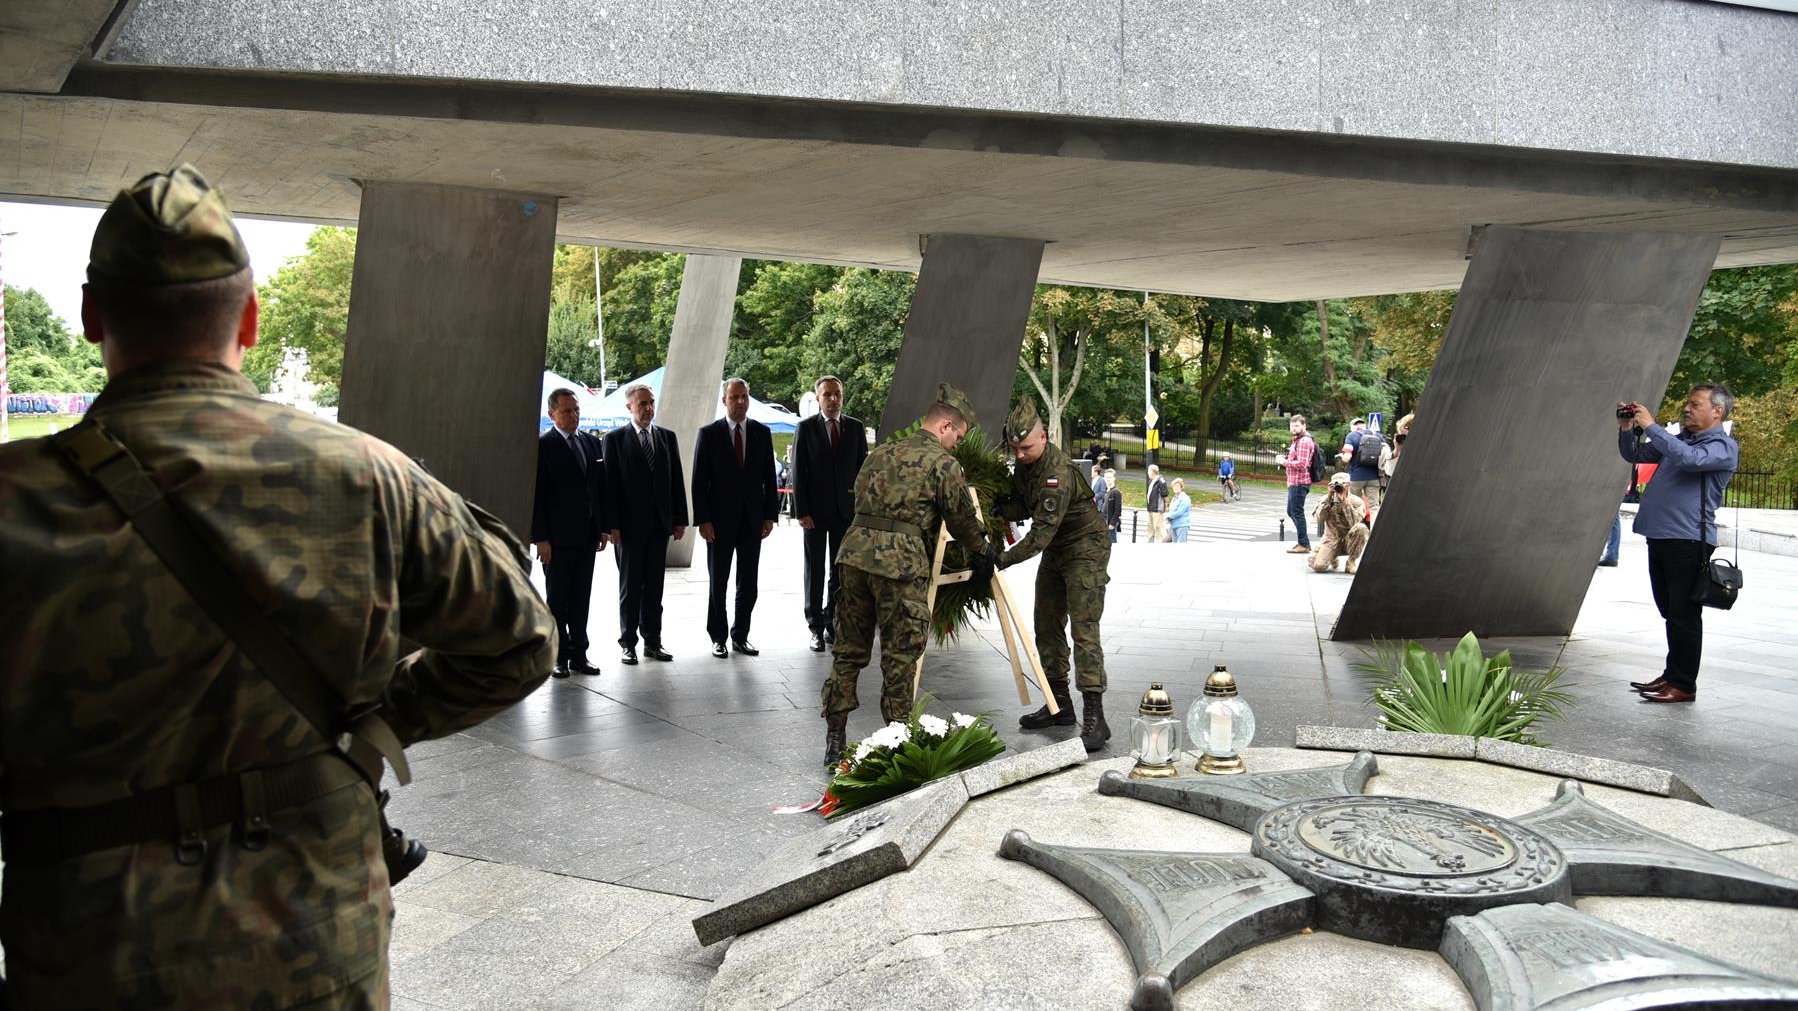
1022	421
167	228
949	393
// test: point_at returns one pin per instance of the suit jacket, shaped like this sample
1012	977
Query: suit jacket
824	482
640	499
734	499
569	506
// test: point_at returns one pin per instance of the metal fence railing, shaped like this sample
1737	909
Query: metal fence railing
1760	490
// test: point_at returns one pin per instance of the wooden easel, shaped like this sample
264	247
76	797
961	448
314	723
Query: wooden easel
1010	622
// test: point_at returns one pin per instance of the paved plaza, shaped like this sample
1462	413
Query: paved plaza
575	836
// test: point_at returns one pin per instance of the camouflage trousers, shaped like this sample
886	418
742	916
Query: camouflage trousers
1070	594
895	609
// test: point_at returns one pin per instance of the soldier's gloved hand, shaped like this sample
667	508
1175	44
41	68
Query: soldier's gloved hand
982	566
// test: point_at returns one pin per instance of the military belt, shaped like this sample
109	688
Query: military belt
181	814
891	526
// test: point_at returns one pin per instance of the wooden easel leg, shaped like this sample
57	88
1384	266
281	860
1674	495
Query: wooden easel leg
1002	595
936	575
1012	634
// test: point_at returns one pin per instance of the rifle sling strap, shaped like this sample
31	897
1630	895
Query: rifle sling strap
363	737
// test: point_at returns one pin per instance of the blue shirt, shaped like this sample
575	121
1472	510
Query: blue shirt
1356	471
1226	468
1673	505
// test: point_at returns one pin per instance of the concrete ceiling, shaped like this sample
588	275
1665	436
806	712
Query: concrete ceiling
1230	213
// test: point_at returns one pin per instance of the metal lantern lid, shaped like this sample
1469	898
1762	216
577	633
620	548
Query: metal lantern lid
1221	683
1156	701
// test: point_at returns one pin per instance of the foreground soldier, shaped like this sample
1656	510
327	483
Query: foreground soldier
1075	543
904	490
176	834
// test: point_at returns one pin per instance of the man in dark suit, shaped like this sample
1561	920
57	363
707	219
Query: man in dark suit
646	502
568	526
734	506
828	450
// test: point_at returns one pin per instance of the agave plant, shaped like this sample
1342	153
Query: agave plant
1462	693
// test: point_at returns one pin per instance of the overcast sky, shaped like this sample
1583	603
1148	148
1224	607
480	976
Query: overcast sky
49	252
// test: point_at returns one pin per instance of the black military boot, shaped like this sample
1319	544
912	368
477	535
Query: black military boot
1094	731
1043	718
836	737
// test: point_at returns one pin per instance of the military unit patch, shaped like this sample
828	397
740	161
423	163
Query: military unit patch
1053	482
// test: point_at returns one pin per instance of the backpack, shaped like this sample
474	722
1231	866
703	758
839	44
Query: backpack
1367	451
1320	467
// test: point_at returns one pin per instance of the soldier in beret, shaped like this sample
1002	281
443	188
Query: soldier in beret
1066	528
177	833
904	490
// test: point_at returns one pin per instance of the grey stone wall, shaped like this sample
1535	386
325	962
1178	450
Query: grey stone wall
1657	78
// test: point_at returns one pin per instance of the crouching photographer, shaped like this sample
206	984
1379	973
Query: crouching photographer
204	670
1678	516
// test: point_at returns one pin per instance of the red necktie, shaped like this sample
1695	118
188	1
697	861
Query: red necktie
833	435
737	438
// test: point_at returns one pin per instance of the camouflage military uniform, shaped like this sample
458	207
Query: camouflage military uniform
886	573
1070	582
119	686
1344	533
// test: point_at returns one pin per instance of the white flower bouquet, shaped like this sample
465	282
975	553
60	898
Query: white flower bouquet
903	756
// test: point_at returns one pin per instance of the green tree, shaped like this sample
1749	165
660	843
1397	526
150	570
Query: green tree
857	327
1063	323
1745	333
42	356
639	313
1212	341
569	351
772	322
307	305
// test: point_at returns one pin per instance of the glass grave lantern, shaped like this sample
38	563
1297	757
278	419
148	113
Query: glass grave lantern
1220	725
1155	736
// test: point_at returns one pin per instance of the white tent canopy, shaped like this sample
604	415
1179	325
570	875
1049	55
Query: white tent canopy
608	412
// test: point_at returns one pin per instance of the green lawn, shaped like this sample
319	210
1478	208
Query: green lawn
30	426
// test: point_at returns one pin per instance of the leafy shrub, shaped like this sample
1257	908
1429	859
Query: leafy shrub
1462	693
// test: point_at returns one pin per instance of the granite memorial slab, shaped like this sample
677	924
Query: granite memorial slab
1610	772
1613	855
1177	913
1540	957
1005	770
1386	742
1242	800
858	849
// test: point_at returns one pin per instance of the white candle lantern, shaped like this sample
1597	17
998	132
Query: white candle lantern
1220	725
1155	736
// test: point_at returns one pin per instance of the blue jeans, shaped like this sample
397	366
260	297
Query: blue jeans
1179	534
1295	509
1611	546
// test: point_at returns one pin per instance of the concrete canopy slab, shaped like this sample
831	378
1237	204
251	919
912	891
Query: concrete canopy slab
1180	209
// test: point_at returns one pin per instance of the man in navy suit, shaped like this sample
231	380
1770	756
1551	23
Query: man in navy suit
568	527
735	501
828	450
646	503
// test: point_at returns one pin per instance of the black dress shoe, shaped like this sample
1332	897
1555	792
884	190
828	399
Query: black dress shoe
1649	686
817	642
656	652
719	651
629	659
742	646
581	666
560	671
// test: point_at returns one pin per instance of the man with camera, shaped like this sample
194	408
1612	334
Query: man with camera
1678	517
220	592
1344	534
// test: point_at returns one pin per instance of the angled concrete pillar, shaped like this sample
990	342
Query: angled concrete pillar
449	312
966	326
689	400
1510	476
